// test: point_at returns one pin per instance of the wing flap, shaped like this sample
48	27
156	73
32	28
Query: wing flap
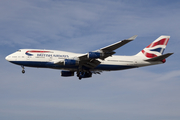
92	64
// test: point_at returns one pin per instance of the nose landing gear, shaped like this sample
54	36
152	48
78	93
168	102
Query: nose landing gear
23	71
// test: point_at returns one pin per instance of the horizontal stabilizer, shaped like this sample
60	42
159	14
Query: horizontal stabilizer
159	58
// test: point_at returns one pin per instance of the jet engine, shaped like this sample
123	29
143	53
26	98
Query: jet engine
93	55
70	62
67	73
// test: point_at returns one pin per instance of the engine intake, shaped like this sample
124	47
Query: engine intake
67	73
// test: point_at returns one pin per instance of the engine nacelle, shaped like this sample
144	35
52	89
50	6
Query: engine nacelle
95	55
70	62
67	73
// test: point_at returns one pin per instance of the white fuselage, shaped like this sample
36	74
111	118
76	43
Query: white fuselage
48	58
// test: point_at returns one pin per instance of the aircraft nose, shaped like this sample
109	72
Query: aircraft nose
7	58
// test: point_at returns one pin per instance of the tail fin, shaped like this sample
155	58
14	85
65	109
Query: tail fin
156	48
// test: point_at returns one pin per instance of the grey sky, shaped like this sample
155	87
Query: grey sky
82	26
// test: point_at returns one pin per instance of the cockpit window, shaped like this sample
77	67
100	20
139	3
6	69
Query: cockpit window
19	51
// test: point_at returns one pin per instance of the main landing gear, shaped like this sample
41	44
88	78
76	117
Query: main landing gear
84	74
23	71
78	75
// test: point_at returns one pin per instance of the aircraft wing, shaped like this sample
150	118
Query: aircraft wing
106	51
115	46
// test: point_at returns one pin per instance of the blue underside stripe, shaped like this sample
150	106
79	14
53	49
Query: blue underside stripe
52	65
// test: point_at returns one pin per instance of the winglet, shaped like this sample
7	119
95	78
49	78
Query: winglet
132	38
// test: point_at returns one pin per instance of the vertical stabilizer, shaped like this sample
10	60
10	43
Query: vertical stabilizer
156	48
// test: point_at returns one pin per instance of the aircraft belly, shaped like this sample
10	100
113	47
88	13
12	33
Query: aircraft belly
43	65
113	67
105	67
30	63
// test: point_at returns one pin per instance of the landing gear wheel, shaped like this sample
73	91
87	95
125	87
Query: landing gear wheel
80	78
23	71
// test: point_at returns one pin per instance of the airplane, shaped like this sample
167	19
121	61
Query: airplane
94	62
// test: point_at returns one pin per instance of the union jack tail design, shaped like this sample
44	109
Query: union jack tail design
156	48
